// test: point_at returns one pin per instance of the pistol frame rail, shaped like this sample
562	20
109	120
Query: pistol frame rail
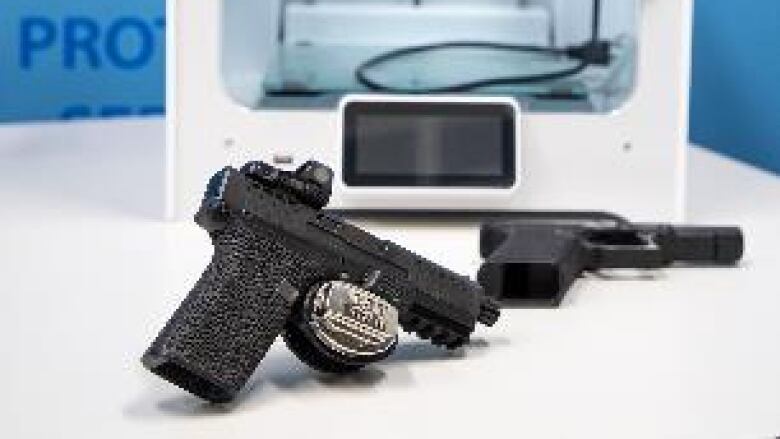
533	262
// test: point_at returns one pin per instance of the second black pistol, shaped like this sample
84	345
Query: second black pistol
533	262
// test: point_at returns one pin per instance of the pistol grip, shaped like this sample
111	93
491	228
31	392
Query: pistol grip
533	266
216	338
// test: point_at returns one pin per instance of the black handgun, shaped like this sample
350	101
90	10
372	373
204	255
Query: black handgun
282	265
532	262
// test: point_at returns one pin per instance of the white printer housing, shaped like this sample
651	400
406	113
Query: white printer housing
269	79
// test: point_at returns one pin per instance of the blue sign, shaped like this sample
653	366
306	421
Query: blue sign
735	98
80	59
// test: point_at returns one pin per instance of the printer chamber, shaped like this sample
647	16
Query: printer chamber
311	53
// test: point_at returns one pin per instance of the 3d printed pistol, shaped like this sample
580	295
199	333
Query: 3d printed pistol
283	266
532	262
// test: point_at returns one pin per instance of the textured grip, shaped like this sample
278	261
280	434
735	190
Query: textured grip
219	334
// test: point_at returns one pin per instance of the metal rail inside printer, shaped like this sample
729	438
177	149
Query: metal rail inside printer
551	55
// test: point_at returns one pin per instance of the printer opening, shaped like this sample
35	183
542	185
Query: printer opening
551	55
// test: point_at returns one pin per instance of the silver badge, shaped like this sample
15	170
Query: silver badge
353	321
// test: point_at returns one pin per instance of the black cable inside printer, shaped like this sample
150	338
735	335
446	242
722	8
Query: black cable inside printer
594	52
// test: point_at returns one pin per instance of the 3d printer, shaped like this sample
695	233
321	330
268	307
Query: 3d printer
438	105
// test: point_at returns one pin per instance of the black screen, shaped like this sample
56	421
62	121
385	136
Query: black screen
427	144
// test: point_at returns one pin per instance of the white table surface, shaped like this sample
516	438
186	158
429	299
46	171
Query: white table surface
89	275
